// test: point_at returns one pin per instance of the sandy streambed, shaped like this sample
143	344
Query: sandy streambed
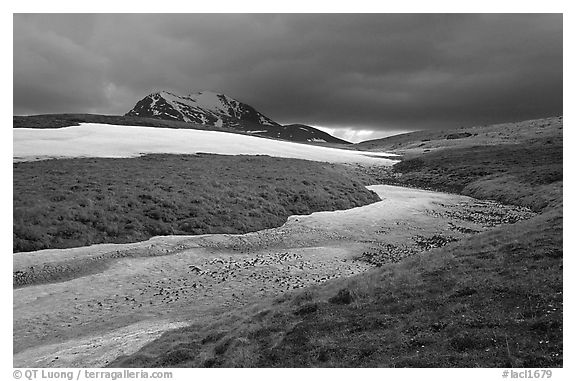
112	299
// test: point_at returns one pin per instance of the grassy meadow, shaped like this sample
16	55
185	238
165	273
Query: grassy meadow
78	202
527	174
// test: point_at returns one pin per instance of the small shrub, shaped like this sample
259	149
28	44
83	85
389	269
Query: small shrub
342	297
306	309
175	357
223	346
459	135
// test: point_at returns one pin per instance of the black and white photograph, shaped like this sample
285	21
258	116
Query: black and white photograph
287	190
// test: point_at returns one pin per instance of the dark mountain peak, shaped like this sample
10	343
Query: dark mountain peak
302	132
211	108
204	107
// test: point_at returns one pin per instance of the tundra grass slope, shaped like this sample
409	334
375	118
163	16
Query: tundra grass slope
492	300
78	202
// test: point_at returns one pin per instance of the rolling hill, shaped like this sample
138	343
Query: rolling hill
422	142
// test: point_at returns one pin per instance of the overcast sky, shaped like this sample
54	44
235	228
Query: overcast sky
365	75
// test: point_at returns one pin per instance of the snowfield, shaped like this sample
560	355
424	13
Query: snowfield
103	140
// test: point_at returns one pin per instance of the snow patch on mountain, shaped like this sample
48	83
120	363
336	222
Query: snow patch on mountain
205	107
223	112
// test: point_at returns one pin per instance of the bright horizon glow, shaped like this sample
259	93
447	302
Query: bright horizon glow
358	135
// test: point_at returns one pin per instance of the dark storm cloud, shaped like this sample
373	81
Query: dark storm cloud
378	71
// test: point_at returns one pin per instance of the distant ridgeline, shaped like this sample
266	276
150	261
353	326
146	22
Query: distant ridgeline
220	111
200	111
